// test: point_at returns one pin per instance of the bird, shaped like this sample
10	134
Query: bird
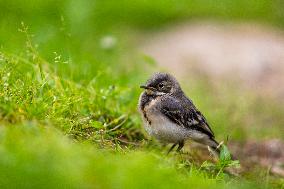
170	116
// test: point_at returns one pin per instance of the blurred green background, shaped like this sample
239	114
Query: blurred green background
70	73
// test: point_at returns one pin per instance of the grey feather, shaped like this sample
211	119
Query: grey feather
184	113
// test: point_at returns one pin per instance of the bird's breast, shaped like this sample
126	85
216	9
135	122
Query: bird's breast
159	126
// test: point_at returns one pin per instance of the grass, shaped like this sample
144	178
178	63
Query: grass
69	77
50	160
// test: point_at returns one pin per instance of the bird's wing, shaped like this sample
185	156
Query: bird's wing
185	114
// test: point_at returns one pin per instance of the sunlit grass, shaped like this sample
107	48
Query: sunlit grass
69	78
36	105
36	156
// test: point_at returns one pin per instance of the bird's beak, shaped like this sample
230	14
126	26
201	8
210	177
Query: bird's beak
147	87
148	90
144	87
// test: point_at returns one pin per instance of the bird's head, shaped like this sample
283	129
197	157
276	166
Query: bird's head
161	84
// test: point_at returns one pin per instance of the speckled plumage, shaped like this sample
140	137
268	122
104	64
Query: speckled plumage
170	116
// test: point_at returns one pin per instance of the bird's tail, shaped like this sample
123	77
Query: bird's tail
215	148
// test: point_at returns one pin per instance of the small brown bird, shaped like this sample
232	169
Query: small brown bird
170	116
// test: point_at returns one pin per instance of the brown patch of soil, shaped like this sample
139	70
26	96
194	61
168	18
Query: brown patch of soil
267	154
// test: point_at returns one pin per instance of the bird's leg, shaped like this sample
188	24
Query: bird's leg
180	146
174	145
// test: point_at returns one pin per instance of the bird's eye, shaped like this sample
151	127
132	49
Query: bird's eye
161	85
